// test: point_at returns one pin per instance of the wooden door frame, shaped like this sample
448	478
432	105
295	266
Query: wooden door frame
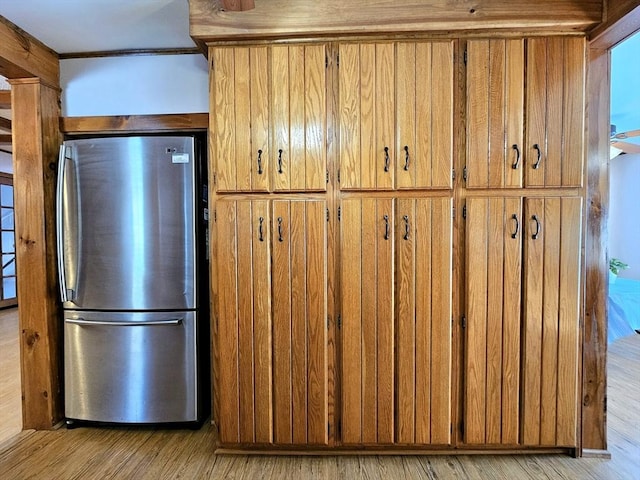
622	20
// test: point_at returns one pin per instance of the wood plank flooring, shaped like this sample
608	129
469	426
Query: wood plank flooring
10	390
124	453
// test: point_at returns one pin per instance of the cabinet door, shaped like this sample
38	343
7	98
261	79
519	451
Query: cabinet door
495	113
298	96
492	356
396	329
367	116
424	117
551	321
300	389
555	112
240	120
244	322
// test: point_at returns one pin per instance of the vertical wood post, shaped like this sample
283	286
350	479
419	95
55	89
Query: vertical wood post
36	137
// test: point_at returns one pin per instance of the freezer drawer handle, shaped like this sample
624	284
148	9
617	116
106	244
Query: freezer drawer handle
83	322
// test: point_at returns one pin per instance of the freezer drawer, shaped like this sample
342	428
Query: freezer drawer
131	367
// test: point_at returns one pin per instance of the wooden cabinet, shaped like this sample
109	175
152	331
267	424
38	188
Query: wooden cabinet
396	363
396	115
522	321
551	154
269	121
271	321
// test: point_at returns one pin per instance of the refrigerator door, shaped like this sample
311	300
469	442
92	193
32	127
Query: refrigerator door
126	230
131	367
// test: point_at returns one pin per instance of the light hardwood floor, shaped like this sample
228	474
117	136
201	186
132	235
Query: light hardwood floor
10	404
121	453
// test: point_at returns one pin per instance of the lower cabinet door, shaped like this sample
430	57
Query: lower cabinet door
395	361
271	341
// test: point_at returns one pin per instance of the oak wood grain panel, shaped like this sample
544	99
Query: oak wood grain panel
262	326
385	324
475	361
405	321
497	116
368	117
36	111
424	99
551	166
295	169
536	108
23	56
316	317
405	115
442	82
223	121
349	116
244	157
315	120
385	108
282	326
260	121
478	124
135	123
287	18
532	322
227	340
514	101
511	321
351	238
569	321
245	229
280	146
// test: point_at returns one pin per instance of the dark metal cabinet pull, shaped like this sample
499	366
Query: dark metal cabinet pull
280	161
516	164
406	227
386	159
280	238
386	227
515	218
406	157
259	162
536	147
261	229
537	232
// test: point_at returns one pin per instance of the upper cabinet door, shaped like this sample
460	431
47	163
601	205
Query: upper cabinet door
298	96
269	120
240	120
495	113
555	112
396	115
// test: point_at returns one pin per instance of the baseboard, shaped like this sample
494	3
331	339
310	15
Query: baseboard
593	453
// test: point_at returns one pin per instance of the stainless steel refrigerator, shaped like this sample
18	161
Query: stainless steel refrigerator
131	220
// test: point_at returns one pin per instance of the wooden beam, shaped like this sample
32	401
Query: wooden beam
310	18
22	56
622	20
5	99
5	124
237	5
37	139
135	123
5	140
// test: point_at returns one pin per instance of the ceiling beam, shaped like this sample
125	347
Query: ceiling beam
5	123
5	140
5	99
23	56
622	19
274	19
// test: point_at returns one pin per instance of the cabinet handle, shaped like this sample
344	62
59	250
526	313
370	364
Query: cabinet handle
516	164
386	227
280	161
261	229
515	218
259	162
406	157
537	232
386	159
536	147
280	239
406	227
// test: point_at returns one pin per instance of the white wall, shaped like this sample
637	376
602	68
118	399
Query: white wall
6	163
624	212
134	85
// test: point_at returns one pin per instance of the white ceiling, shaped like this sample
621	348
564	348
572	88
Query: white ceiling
73	26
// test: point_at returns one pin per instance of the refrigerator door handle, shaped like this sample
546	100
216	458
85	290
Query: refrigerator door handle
83	322
59	224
